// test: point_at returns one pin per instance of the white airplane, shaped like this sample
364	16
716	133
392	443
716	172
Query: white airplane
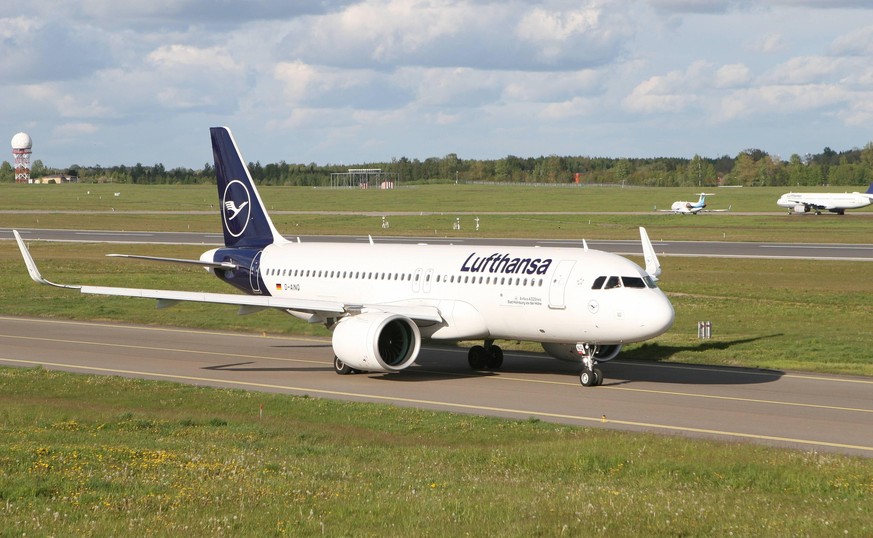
692	208
804	202
383	300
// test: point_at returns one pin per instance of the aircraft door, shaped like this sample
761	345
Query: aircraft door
427	278
559	284
254	276
416	280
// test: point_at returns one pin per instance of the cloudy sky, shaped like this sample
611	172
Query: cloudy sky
119	82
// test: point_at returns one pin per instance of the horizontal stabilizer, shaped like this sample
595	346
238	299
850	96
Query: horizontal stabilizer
201	263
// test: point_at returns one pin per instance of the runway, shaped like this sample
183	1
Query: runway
721	249
804	411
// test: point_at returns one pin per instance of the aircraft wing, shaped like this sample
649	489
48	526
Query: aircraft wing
252	303
319	309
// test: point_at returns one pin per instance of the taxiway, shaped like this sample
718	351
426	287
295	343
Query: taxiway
804	411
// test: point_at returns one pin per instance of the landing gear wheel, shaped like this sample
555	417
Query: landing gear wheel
598	377
587	378
477	358
342	368
494	357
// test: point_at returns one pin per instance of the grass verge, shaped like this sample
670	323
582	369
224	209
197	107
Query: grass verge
100	456
432	210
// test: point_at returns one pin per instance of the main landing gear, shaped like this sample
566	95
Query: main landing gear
591	376
342	368
487	357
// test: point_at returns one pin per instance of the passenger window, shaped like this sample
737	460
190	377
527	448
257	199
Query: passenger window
598	283
613	282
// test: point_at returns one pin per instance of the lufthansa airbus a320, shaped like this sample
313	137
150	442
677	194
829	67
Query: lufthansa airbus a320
383	300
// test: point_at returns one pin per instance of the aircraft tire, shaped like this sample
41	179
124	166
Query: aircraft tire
587	378
477	358
342	368
598	377
494	358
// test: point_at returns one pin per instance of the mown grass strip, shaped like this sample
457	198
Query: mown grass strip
434	209
92	455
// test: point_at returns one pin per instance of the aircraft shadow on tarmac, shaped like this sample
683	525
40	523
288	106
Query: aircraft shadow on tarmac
241	367
644	365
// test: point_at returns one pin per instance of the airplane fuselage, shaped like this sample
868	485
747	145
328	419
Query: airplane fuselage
532	293
834	202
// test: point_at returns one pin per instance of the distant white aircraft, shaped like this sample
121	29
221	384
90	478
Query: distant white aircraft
692	208
805	202
382	300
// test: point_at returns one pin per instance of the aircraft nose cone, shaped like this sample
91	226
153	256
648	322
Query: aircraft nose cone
656	315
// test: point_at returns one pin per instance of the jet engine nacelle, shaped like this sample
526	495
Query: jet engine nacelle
567	352
800	208
376	341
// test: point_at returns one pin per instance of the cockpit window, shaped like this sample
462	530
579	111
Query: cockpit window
612	282
632	282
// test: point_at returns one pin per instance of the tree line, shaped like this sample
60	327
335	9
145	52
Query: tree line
752	167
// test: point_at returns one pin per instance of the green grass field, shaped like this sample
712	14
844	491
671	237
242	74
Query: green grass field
439	198
105	456
562	208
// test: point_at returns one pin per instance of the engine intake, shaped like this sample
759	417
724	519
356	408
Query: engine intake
377	341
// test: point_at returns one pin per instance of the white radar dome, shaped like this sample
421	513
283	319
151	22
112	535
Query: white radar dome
22	141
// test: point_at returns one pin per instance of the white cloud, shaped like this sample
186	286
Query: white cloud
66	105
487	35
854	43
187	57
780	99
729	76
692	6
805	70
343	79
673	92
769	44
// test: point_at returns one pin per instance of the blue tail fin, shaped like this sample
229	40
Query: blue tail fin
243	217
870	190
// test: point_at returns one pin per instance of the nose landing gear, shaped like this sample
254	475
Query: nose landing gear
591	376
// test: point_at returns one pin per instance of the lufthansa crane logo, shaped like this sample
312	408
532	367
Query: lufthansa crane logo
236	207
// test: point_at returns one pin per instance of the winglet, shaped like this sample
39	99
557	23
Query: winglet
653	266
31	265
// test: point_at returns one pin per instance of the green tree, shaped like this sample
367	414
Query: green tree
700	172
38	169
7	173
